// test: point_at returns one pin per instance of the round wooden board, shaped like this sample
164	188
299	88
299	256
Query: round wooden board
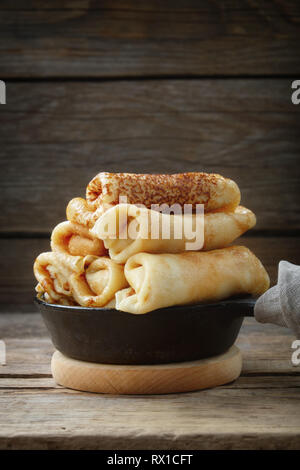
148	379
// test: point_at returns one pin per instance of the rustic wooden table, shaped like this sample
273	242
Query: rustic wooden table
260	410
187	86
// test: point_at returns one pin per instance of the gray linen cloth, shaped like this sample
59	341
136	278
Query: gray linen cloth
280	305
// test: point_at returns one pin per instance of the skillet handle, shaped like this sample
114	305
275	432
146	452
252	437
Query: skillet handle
246	307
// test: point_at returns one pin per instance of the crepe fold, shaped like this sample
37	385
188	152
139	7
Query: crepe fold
75	239
212	190
163	280
81	213
89	281
127	229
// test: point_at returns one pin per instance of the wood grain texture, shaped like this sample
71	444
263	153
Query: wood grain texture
16	261
209	419
57	136
105	39
17	256
257	411
28	384
149	379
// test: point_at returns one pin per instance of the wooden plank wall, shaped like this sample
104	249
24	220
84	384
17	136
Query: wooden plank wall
145	87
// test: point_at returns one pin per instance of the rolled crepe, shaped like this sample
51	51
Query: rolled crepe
220	229
89	281
158	281
75	239
80	212
212	190
52	271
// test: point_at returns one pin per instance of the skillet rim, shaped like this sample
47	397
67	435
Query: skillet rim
246	301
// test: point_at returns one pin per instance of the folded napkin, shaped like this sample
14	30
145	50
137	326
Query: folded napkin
281	304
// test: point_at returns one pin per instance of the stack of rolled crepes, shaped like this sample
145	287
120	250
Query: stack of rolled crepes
137	272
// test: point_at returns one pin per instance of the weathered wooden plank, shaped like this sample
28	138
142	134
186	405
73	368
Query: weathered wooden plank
17	256
210	419
90	111
271	250
28	384
38	180
290	7
36	201
266	348
16	260
100	100
256	411
57	136
131	39
29	357
34	384
17	326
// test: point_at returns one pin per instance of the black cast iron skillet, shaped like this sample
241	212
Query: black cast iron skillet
173	334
